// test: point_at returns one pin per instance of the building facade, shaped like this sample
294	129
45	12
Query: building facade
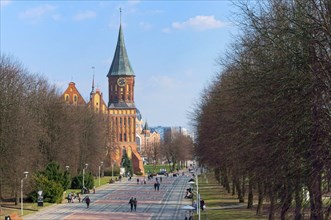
121	108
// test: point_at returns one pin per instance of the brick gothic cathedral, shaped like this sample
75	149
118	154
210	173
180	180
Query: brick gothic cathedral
121	107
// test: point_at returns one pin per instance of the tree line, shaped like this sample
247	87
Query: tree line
264	123
37	128
175	148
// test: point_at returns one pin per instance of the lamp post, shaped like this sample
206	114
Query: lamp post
198	195
67	168
84	176
101	163
25	176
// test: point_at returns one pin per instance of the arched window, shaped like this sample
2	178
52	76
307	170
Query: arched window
75	98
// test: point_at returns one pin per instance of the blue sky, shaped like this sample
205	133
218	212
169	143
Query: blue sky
172	46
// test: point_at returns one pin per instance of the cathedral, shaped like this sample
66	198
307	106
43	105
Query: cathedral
124	119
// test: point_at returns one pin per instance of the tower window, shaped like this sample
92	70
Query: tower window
67	98
75	98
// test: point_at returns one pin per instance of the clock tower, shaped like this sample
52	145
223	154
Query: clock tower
122	109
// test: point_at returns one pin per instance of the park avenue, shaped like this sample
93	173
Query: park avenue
111	202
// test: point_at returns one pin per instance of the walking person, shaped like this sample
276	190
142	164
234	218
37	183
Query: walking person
87	200
157	185
135	204
131	202
69	197
202	204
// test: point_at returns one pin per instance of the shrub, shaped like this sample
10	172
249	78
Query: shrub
139	173
77	181
52	191
108	172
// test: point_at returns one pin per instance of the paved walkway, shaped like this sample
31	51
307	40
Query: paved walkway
111	202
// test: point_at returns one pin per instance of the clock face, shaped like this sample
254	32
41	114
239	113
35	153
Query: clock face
121	82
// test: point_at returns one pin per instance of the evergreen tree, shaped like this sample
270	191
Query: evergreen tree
127	163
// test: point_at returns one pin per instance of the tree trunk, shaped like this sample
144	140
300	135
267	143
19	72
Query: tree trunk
260	198
250	194
272	205
286	202
298	203
233	188
238	187
226	182
327	214
315	196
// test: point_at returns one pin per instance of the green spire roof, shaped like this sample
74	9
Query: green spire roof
121	64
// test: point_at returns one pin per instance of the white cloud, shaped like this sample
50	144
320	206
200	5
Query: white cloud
37	12
145	26
133	2
4	3
84	15
199	23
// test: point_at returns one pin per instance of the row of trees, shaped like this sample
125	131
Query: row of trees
37	127
176	148
264	124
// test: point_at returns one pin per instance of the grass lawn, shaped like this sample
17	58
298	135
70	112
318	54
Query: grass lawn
11	208
150	167
216	197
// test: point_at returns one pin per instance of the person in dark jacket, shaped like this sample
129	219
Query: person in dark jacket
131	202
135	204
87	200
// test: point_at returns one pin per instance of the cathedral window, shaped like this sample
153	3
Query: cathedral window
75	98
120	137
67	98
120	121
124	137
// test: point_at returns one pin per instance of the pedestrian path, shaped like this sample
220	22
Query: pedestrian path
111	202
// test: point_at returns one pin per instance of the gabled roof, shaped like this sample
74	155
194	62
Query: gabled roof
121	64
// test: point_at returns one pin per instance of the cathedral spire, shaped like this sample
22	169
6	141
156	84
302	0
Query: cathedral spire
121	65
93	79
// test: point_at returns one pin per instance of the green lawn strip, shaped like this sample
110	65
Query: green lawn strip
215	196
27	207
229	214
150	168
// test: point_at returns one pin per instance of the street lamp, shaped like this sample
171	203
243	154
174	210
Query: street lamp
25	176
67	168
101	163
198	195
84	176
